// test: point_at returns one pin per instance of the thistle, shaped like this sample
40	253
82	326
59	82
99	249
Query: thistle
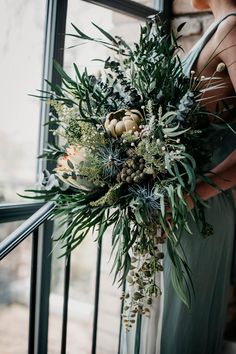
111	161
147	201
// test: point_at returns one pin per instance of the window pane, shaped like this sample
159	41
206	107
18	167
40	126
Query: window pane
82	15
150	3
14	295
21	50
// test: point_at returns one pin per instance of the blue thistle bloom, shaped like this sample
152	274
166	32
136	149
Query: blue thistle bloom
147	199
111	161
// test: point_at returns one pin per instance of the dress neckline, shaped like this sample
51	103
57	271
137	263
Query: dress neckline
192	55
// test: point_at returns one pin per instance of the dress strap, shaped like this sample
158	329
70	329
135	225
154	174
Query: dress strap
191	57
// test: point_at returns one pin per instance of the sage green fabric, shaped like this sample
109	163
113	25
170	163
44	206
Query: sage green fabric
200	330
219	136
211	260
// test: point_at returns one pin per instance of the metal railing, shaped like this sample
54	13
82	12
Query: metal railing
31	225
38	306
39	300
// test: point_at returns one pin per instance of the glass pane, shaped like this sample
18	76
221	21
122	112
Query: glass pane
56	303
80	316
150	3
109	304
83	272
21	50
82	15
14	296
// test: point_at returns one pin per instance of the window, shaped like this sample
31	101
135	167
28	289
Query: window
23	53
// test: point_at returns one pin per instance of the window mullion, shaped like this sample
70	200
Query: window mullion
53	51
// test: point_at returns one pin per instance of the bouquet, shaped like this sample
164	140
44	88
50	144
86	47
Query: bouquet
130	148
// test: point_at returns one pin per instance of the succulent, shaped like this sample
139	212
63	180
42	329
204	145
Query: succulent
123	120
185	106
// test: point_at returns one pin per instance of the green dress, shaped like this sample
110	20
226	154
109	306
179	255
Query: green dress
172	328
200	330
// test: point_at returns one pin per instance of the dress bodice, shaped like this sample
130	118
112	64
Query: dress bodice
193	54
220	137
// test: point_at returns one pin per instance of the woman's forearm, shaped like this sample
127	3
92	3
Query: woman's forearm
223	176
224	180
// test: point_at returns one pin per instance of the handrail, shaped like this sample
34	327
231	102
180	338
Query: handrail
25	229
18	211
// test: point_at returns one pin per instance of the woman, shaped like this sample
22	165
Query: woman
173	329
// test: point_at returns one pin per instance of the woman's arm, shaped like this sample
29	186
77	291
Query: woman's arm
223	175
225	42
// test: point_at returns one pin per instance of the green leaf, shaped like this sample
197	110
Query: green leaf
174	134
180	194
106	34
82	35
62	73
181	26
170	130
177	283
162	204
88	102
178	175
168	166
191	176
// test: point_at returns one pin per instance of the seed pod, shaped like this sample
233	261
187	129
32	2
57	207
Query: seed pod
129	279
129	171
129	179
137	179
160	255
220	67
137	295
141	166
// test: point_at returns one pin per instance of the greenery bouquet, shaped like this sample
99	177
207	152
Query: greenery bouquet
130	149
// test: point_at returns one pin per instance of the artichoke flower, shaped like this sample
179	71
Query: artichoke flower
122	121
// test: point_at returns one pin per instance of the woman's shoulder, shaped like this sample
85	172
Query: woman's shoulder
226	30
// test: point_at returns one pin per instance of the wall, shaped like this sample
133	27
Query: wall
196	22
